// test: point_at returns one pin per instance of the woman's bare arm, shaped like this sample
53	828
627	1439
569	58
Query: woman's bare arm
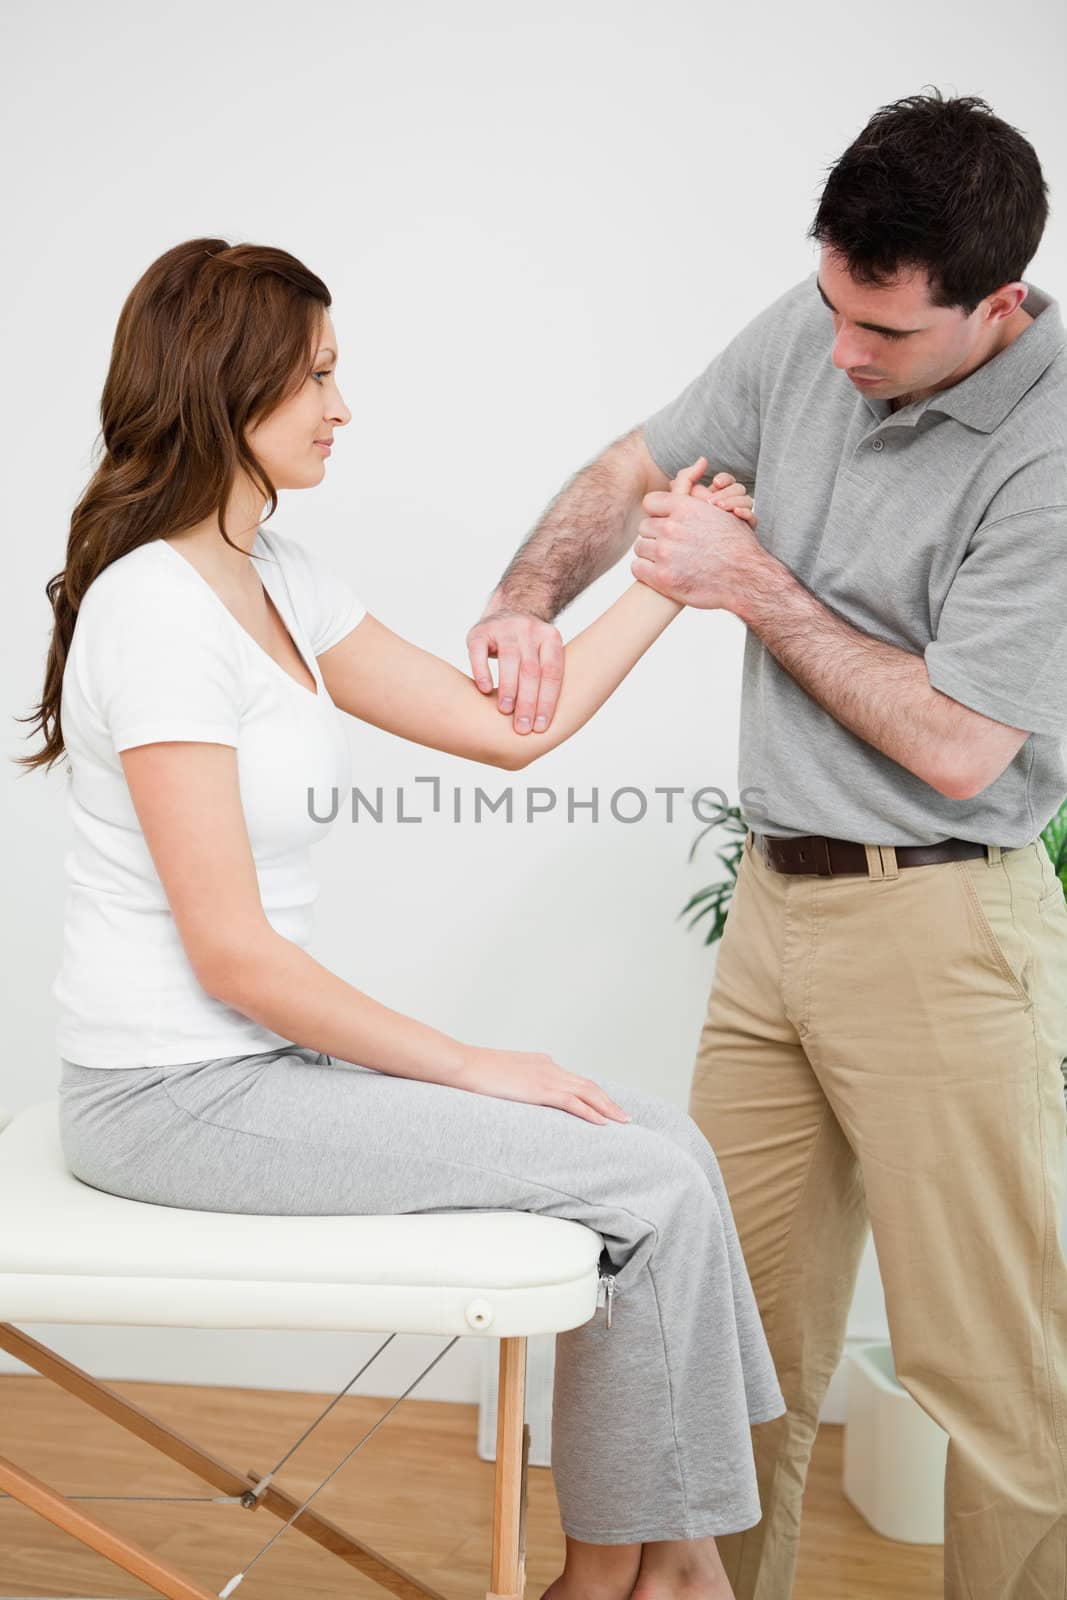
376	675
187	799
186	796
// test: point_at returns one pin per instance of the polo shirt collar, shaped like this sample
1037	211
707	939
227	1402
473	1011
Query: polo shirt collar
983	399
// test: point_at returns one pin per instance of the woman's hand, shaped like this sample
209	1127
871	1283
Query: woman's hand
724	492
538	1080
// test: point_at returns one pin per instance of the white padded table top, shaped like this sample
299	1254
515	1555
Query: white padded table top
72	1253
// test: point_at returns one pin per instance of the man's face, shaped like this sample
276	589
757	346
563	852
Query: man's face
893	335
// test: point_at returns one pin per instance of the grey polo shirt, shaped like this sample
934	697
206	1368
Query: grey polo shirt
940	528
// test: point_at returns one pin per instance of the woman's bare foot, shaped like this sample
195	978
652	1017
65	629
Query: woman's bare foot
596	1572
675	1568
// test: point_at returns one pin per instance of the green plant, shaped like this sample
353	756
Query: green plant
1055	837
714	899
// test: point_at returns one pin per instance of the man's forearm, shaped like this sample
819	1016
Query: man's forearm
585	530
878	691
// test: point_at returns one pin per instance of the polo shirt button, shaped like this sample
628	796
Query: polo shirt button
877	444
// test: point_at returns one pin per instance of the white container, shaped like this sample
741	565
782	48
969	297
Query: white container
894	1456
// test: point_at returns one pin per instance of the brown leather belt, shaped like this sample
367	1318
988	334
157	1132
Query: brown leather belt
829	858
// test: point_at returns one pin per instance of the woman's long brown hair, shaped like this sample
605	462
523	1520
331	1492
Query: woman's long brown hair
211	339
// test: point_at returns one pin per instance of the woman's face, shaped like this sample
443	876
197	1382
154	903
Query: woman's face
287	441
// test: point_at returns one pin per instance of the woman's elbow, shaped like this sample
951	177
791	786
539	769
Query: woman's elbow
528	748
514	757
512	753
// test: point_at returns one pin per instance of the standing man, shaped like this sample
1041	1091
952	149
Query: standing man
888	1016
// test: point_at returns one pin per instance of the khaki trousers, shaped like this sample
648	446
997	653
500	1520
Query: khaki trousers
884	1051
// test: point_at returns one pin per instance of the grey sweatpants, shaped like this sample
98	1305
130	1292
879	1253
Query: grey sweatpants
651	1418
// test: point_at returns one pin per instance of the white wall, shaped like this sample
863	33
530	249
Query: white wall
537	222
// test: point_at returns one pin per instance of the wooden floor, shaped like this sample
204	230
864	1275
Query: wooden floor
417	1492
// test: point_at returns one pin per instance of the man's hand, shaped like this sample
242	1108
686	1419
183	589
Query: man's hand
530	651
696	545
530	656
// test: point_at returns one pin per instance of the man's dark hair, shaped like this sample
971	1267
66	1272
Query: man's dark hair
937	184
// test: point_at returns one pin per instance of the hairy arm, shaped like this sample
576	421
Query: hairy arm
587	528
688	550
877	690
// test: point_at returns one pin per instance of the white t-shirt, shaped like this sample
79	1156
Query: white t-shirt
157	655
